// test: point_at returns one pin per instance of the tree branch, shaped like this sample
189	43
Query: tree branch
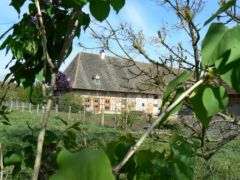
72	26
160	120
42	31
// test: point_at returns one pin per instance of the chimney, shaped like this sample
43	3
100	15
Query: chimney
102	54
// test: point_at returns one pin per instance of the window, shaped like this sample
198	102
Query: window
143	104
97	79
87	100
155	97
155	105
107	101
107	108
87	106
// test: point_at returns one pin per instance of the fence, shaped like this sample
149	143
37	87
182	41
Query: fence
102	118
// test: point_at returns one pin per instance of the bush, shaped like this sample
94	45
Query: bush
131	116
74	100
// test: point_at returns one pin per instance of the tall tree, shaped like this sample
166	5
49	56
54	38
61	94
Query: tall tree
42	40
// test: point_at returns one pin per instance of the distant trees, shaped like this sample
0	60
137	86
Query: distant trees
73	100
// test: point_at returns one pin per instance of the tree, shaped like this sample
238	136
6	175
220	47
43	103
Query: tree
124	42
221	60
74	100
39	45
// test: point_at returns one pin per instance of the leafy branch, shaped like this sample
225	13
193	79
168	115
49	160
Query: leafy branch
159	121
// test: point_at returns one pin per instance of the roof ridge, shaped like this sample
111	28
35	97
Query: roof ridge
114	58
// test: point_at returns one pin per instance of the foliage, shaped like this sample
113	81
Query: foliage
226	6
74	100
205	109
3	115
14	93
25	43
174	162
220	60
86	164
22	153
36	96
130	118
221	51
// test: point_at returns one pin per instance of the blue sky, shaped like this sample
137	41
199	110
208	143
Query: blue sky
141	14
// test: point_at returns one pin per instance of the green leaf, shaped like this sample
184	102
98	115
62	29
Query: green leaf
229	72
75	126
99	9
172	85
229	43
62	120
218	43
210	43
208	101
221	10
63	157
84	20
74	3
17	4
31	47
87	164
198	107
17	168
13	157
215	99
6	42
39	76
117	4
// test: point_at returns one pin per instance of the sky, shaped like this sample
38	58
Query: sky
143	15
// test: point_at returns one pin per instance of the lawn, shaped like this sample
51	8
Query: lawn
223	165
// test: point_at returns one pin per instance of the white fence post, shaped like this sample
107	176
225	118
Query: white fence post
17	104
84	113
30	107
56	109
11	105
22	106
102	117
115	117
37	108
69	112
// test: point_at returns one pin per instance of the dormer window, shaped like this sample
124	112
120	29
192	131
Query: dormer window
97	79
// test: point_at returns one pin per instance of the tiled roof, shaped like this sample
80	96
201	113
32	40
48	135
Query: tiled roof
115	75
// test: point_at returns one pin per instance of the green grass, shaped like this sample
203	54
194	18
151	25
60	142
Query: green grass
223	165
20	120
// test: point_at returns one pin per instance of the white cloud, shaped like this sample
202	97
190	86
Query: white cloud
133	13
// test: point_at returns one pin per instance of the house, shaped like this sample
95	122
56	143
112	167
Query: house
113	85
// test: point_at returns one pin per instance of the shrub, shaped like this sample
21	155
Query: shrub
74	100
131	117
